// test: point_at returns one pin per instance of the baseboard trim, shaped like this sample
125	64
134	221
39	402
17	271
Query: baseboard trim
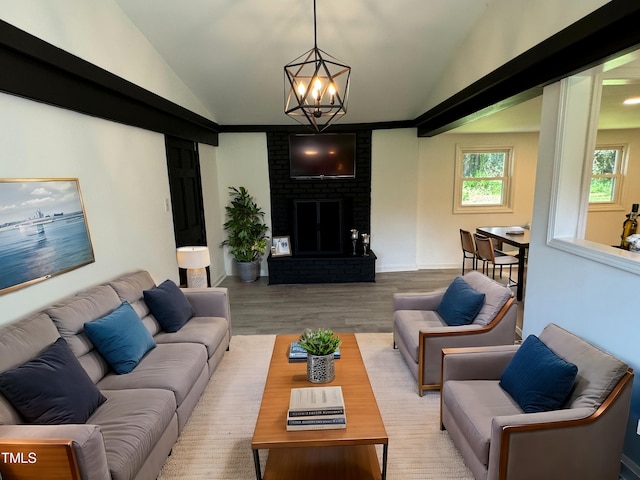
629	470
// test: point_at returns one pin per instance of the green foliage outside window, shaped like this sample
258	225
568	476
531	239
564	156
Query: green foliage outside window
483	174
603	181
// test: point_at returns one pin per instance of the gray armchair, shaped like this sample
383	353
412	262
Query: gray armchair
420	333
582	439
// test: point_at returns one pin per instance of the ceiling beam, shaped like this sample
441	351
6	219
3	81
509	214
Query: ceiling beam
35	69
604	34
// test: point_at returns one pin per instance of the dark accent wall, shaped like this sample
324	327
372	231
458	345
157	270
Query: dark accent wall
355	193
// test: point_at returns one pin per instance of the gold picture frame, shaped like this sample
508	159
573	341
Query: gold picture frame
43	230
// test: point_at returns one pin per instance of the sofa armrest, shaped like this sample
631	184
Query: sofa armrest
539	445
39	450
476	363
417	301
209	302
508	434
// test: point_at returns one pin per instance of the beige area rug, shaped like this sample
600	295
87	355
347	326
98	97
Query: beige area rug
216	442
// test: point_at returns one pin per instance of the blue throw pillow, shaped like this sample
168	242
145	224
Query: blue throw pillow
169	305
460	303
52	388
537	378
121	338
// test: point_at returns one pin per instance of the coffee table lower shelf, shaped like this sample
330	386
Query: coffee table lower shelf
319	463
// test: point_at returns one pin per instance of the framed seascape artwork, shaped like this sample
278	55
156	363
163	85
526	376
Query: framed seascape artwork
43	231
280	247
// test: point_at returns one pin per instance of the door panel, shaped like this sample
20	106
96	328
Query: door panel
183	165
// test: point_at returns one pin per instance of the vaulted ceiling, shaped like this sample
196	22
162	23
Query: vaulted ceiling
231	53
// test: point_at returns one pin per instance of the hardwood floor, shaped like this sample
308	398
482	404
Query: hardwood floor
259	308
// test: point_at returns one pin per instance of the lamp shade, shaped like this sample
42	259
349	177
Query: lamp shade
193	257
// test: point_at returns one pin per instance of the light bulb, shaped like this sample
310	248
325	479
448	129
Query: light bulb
332	93
301	89
317	84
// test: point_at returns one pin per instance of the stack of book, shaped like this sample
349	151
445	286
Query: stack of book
316	408
299	354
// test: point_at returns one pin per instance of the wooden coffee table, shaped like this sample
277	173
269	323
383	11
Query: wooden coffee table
320	454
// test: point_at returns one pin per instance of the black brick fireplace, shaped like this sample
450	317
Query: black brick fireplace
318	215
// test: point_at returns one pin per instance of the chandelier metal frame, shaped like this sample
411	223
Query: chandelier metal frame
316	86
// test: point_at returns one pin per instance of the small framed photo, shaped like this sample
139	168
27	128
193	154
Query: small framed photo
280	246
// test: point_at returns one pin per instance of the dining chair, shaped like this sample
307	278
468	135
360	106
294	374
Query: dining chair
486	253
468	249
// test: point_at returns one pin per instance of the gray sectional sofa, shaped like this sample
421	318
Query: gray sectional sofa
140	413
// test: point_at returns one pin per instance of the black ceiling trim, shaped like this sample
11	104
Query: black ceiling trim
601	35
336	127
35	69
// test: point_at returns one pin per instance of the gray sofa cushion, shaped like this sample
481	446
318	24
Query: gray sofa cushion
129	288
496	296
70	315
474	404
132	422
410	322
25	339
598	371
207	331
174	367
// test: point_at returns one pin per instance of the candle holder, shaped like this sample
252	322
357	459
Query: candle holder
365	243
354	239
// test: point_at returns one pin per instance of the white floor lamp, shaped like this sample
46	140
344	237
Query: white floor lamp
194	259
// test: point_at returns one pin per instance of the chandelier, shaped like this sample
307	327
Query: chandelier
316	86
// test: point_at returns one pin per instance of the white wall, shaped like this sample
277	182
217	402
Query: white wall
506	29
99	32
123	180
590	299
438	227
242	161
121	170
394	199
213	211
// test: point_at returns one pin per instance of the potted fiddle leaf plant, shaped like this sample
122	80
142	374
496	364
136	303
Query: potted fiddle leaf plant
246	232
320	346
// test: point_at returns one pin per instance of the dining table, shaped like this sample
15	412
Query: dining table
520	240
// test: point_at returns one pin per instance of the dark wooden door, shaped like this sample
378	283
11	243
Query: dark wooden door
185	184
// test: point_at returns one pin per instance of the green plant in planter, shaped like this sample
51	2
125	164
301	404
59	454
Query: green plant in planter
319	342
245	228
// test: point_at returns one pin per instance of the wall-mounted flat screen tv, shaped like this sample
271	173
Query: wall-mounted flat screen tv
329	155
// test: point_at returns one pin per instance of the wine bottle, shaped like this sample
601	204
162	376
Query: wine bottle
630	226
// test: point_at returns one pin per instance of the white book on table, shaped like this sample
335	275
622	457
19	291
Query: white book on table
316	408
316	398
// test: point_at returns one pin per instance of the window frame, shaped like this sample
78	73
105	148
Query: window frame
575	122
507	187
618	176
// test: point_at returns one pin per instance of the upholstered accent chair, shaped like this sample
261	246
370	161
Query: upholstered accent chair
420	331
576	423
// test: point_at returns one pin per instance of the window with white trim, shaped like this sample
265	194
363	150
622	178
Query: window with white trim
483	180
607	174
